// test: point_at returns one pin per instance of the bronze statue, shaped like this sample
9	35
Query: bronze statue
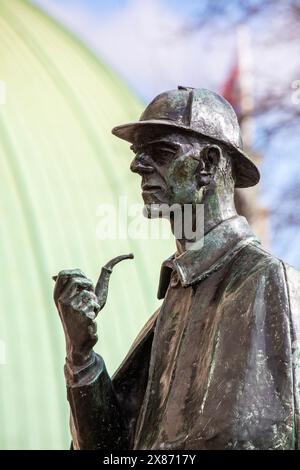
217	367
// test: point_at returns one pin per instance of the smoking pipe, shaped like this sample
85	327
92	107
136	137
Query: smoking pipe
101	289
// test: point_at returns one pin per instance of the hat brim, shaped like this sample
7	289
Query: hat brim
247	173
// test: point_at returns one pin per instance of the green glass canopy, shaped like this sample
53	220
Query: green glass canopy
59	162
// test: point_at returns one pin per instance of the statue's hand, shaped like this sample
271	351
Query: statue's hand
78	306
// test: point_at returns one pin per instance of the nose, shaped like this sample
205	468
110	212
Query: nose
141	164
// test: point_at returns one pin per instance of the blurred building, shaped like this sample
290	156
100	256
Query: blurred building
238	90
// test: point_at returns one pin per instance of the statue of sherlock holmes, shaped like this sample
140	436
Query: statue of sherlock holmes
217	367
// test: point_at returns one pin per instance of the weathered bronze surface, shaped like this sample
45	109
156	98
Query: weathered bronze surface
217	366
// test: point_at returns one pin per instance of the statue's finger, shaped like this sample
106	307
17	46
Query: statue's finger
74	286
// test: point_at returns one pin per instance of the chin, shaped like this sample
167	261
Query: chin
155	207
153	198
151	213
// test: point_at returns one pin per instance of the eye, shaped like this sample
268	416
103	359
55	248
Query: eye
162	154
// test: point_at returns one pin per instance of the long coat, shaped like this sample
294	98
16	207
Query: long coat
216	367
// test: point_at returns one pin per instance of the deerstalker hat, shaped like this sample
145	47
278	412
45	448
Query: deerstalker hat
202	112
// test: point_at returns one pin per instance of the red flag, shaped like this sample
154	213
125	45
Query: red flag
231	89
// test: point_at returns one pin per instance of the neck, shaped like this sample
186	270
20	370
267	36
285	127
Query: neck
217	208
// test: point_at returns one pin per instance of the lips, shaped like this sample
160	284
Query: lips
151	187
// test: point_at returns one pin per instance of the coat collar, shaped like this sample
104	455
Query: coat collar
217	247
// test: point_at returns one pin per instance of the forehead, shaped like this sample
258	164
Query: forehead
163	135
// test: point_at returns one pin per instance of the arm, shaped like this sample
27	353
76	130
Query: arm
293	285
96	418
126	389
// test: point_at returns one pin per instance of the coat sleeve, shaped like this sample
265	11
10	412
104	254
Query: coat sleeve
97	421
293	284
104	410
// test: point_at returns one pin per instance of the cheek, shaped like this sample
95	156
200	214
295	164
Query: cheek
181	180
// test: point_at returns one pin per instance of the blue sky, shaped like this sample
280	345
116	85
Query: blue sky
143	41
186	8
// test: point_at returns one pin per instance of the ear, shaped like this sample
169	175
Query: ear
209	161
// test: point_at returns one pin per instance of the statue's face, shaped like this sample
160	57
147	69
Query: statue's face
169	164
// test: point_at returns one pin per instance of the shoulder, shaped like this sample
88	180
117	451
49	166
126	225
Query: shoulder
261	266
265	258
258	272
261	261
